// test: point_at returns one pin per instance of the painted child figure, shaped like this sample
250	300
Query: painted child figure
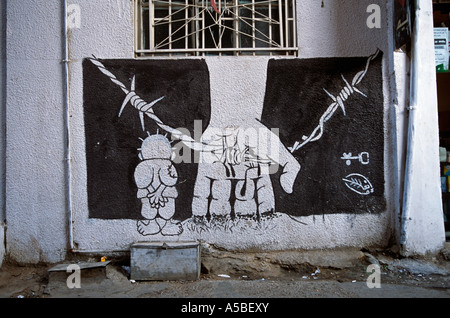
156	177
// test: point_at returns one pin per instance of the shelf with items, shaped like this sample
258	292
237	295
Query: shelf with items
441	18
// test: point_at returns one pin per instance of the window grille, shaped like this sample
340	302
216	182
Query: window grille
215	27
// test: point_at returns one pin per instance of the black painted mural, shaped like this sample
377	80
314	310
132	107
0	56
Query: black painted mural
141	114
332	114
113	142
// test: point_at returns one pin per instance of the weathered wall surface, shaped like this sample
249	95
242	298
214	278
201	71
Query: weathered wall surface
35	200
227	204
339	28
221	204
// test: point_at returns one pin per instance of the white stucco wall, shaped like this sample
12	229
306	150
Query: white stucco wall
35	200
3	129
320	35
339	28
400	98
35	181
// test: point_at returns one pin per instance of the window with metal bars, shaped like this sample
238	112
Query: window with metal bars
215	27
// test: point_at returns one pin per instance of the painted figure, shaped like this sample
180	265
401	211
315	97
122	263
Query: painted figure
156	177
235	178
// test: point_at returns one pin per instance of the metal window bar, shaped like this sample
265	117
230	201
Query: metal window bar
192	27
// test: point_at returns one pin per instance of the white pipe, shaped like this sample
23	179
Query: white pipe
67	158
413	87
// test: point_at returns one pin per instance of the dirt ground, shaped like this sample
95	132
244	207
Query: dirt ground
259	275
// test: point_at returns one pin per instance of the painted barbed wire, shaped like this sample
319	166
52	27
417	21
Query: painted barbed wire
338	102
218	147
145	108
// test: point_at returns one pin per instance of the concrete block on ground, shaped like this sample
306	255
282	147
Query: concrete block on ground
89	272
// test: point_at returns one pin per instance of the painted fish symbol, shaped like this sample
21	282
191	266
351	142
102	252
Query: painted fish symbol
358	183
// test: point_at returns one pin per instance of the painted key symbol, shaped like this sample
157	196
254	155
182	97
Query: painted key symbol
363	158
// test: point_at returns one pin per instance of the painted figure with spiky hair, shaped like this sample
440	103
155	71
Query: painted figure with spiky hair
155	177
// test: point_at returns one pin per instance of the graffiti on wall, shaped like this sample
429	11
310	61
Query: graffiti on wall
153	157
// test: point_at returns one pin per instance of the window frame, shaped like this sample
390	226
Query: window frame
195	30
